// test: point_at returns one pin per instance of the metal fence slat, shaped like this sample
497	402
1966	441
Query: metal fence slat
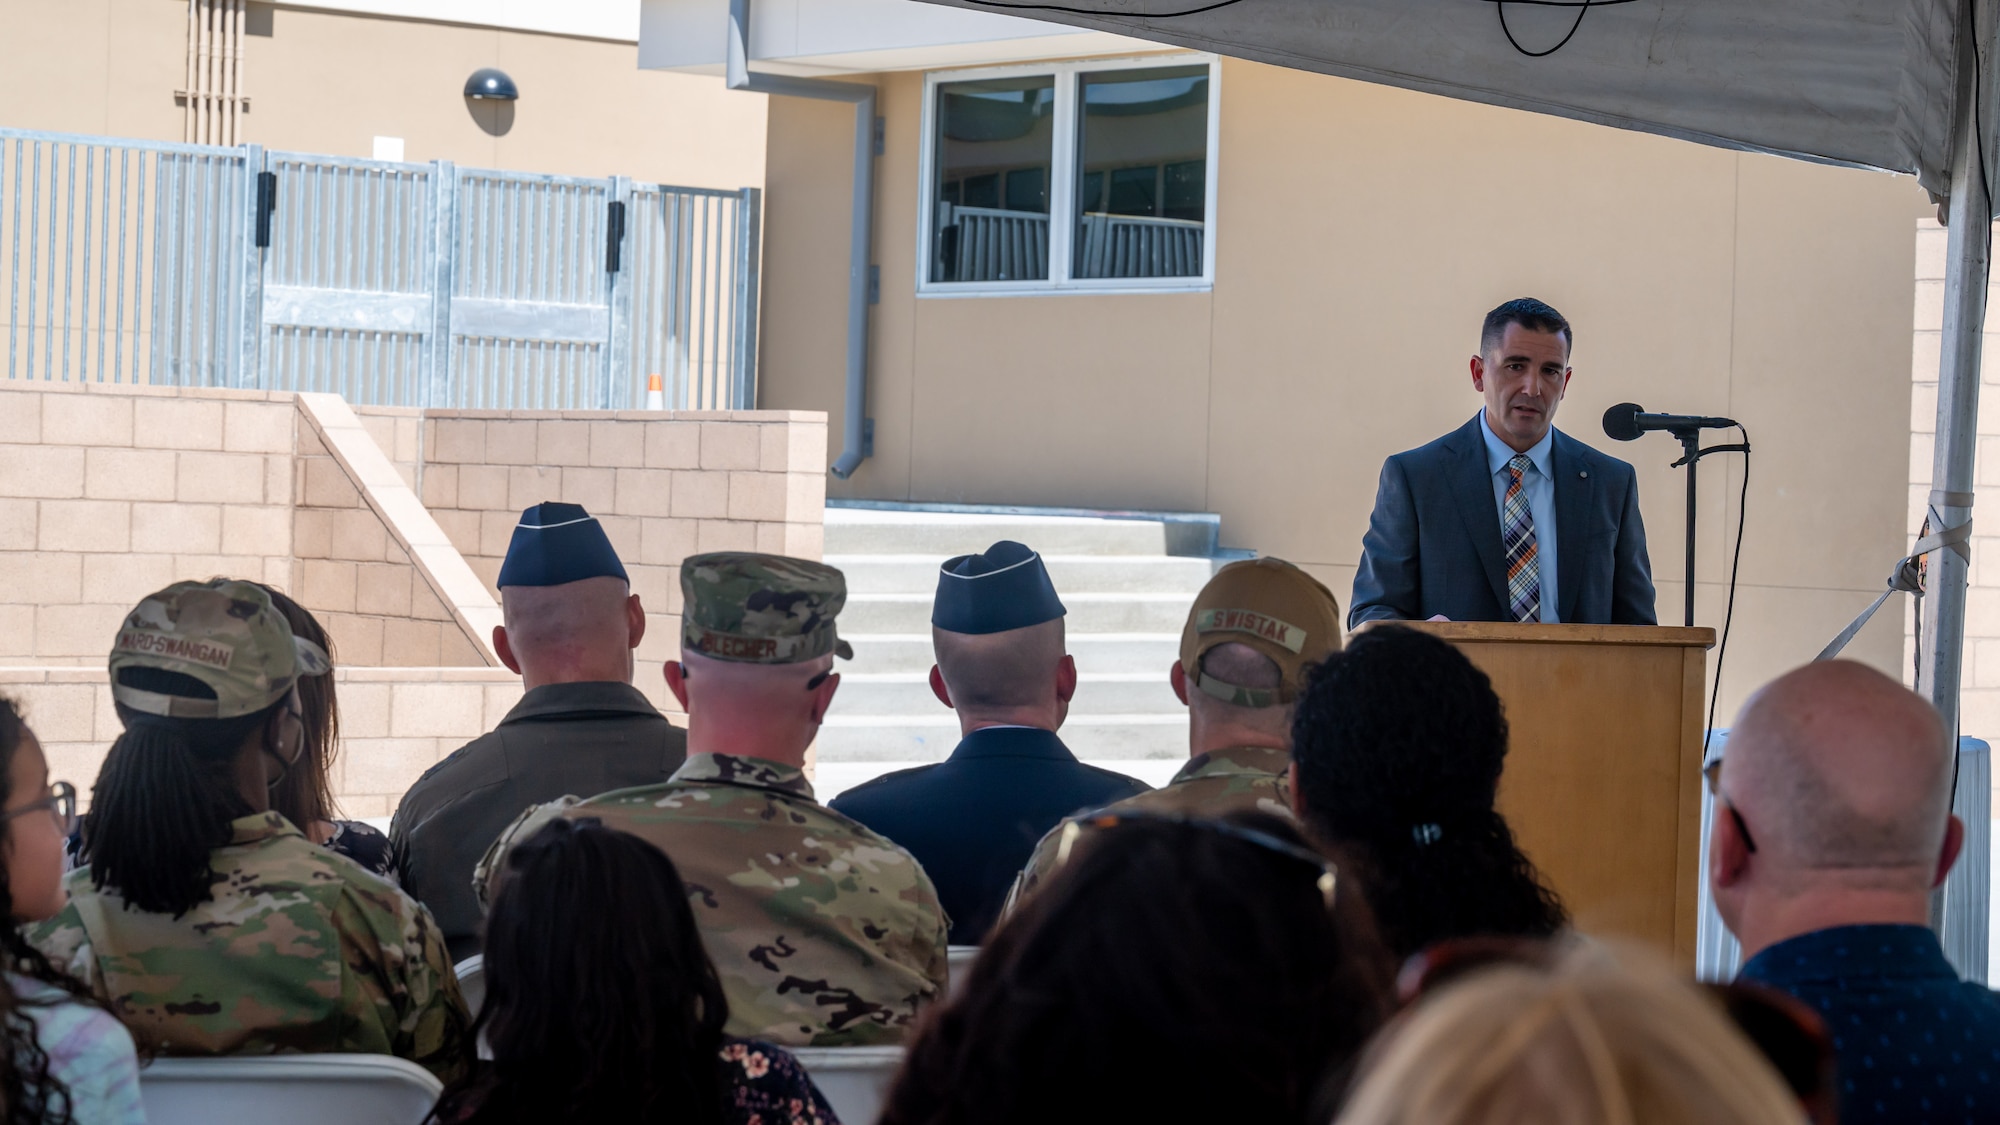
422	285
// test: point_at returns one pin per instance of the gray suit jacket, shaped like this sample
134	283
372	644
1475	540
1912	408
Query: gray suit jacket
1433	543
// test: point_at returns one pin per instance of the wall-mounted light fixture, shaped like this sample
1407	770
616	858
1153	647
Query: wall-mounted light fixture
491	84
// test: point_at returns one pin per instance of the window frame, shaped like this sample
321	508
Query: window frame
1062	181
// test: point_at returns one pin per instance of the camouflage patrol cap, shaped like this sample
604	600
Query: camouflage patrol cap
760	609
223	632
1275	608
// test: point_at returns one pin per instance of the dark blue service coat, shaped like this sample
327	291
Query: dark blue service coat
973	819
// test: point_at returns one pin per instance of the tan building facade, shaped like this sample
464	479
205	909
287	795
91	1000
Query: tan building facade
1360	232
332	81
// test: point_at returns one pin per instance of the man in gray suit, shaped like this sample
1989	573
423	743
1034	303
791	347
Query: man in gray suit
1507	518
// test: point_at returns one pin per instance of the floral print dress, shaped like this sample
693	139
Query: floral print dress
765	1085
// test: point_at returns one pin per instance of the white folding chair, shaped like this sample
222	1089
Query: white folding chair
471	974
959	959
854	1080
294	1089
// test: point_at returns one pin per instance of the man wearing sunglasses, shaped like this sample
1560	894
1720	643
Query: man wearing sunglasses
1833	826
1250	637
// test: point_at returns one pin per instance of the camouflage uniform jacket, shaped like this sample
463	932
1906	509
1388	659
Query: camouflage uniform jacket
1215	784
299	950
824	933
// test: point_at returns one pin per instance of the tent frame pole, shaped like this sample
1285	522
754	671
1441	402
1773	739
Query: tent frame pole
1968	257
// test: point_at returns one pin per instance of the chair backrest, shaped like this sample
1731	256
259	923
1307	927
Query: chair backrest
471	974
959	960
854	1080
293	1089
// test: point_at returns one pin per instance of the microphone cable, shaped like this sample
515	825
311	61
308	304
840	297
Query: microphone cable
1729	613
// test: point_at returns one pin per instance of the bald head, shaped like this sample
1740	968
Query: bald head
1218	724
768	711
1000	671
572	633
1842	773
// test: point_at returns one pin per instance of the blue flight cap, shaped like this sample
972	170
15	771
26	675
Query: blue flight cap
558	543
1005	588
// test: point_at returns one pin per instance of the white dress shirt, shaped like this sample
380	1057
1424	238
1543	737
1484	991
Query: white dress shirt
1539	483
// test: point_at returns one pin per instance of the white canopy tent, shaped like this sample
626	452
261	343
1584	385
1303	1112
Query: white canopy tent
1897	85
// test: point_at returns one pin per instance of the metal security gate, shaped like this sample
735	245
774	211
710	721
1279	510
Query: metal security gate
387	283
348	278
126	262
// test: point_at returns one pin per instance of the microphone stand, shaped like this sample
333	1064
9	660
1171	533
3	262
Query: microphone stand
1692	452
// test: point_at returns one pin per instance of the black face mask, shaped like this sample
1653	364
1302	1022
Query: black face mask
285	767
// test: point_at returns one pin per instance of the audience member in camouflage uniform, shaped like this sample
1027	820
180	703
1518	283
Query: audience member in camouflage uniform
267	943
824	933
1252	633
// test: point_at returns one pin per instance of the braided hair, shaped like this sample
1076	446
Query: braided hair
1398	745
28	1092
164	798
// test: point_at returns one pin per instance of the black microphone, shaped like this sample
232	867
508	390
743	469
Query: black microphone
1627	420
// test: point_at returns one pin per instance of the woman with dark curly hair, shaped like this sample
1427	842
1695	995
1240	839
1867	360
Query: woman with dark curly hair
65	1059
1171	971
602	1004
1397	748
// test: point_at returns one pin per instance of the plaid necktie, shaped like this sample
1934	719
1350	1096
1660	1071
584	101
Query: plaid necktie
1517	535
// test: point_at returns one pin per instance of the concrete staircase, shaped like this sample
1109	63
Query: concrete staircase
1127	581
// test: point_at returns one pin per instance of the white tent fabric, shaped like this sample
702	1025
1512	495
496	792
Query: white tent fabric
1867	83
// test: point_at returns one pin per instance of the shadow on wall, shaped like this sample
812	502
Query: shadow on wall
493	116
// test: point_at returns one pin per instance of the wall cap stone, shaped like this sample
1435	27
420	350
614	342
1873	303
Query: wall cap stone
473	609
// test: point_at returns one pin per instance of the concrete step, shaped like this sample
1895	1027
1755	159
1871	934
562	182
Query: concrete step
909	693
1072	574
1096	654
928	738
1088	613
864	531
831	779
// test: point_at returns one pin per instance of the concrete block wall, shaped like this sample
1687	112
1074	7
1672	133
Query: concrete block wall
665	486
108	493
399	432
395	723
354	574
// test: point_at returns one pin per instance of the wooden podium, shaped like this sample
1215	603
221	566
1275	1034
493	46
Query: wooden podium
1603	778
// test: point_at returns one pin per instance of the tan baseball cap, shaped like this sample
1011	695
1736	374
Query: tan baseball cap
1275	608
223	632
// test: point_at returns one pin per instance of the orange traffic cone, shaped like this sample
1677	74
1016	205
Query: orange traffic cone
656	393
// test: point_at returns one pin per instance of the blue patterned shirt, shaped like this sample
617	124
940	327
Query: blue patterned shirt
1913	1043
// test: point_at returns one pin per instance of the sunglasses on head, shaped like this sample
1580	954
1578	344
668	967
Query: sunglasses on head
1788	1034
1329	875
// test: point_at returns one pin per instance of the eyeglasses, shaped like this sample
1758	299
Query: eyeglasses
1789	1035
1329	875
61	803
1712	773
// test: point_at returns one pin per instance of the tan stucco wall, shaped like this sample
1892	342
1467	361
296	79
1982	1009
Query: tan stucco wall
1361	233
330	82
